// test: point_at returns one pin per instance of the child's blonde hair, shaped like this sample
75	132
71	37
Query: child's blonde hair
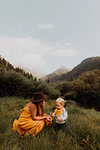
61	101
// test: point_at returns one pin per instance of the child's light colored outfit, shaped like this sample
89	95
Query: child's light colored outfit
60	114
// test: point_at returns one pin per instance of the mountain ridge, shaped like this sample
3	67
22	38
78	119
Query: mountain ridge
4	64
87	64
54	75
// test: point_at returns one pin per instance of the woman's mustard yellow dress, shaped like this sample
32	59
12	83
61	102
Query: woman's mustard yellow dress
25	125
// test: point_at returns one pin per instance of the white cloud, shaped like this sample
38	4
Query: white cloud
20	26
65	52
45	26
33	53
68	43
22	51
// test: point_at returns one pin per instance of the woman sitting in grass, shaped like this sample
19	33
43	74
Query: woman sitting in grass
33	118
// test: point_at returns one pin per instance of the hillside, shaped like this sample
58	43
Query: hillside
6	66
88	64
17	82
23	70
53	77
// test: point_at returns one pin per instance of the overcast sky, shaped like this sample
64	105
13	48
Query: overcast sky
48	34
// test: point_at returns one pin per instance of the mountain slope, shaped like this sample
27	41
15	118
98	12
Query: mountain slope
86	65
53	77
63	74
17	82
4	65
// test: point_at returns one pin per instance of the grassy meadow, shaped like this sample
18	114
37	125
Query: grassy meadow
83	127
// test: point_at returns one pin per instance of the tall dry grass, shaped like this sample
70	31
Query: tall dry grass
83	127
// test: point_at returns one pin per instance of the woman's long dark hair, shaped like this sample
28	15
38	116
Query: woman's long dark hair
35	97
42	108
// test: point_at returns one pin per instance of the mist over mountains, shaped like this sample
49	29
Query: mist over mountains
34	72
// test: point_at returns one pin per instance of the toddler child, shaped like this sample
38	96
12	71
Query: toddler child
61	115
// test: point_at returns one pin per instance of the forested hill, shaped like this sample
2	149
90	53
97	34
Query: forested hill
17	82
88	64
4	65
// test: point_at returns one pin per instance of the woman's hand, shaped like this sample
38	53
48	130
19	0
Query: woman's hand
49	118
51	114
